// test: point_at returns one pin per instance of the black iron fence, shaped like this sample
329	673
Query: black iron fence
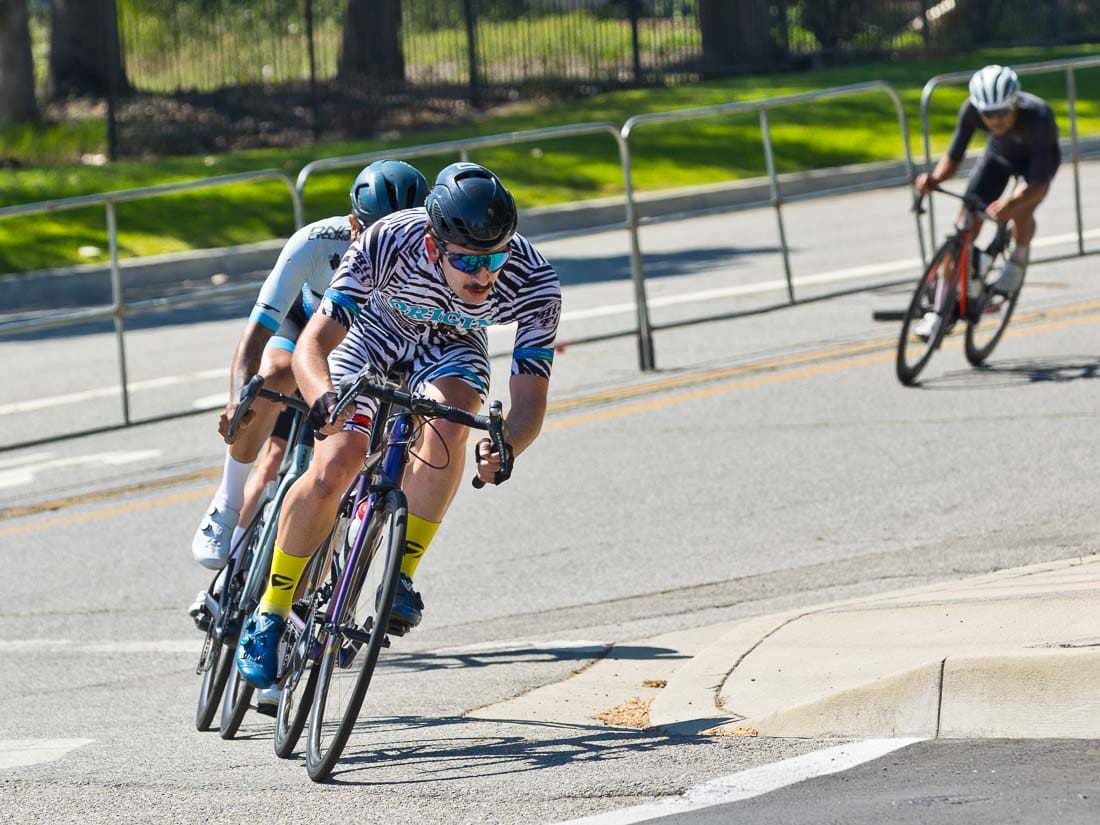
215	72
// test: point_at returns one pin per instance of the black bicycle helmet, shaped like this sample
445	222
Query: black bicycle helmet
386	186
470	207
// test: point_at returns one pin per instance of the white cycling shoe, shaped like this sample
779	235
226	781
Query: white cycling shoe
212	542
1012	276
928	326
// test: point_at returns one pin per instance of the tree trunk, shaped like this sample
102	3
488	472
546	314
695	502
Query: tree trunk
17	103
736	33
372	43
84	50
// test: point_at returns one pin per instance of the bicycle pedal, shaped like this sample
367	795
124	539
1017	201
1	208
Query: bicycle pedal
396	628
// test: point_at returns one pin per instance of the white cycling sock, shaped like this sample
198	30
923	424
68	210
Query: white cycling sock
238	531
231	491
1020	253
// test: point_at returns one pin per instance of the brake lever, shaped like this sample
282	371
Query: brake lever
248	394
499	446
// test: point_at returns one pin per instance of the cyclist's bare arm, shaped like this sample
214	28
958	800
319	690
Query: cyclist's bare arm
945	170
320	337
246	363
524	422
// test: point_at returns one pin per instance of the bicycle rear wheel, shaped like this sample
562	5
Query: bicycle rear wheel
986	326
936	288
216	662
357	636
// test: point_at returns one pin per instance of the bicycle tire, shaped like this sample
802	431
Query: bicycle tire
328	735
215	674
222	646
977	352
235	703
296	697
923	300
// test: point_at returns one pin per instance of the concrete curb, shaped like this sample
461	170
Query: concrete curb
996	679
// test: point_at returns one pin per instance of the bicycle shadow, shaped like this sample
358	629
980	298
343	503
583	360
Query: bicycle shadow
429	660
458	750
1018	372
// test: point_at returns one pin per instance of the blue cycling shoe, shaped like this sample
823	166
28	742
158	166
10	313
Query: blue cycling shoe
407	608
258	649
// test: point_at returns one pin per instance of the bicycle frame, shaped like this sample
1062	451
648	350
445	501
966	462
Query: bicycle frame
295	464
383	470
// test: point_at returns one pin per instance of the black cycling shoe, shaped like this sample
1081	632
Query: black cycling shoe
407	608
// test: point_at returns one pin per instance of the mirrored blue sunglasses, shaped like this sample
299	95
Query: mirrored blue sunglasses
472	263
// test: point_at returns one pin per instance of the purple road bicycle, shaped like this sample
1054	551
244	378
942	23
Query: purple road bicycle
336	631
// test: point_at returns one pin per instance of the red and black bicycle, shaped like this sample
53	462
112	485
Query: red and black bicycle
957	285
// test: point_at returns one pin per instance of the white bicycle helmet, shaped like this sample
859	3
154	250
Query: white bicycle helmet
994	87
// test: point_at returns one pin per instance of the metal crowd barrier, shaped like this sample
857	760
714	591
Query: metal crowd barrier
119	309
762	107
1069	66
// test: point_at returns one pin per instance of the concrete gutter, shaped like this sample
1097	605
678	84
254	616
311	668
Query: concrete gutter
1012	654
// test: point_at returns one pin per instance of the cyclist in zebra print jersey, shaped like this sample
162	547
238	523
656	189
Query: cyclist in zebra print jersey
416	293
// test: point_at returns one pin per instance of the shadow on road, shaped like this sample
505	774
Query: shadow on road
431	660
589	269
458	750
1019	372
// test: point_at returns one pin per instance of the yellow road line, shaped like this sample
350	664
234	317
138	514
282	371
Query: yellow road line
111	511
862	355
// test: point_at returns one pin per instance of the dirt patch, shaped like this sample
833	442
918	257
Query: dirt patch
633	713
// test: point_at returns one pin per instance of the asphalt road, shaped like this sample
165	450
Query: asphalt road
772	461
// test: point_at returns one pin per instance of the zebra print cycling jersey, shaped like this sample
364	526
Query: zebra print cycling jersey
387	284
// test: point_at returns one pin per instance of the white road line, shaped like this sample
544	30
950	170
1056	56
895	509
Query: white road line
187	646
779	285
18	753
699	296
109	392
20	475
754	782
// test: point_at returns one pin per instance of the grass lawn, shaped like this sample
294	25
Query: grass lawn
851	130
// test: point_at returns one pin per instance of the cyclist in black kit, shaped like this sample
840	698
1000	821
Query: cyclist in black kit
1023	141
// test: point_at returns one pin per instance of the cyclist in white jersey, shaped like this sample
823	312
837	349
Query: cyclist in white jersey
416	293
287	299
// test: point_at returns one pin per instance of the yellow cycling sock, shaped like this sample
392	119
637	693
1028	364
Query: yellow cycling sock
418	535
286	570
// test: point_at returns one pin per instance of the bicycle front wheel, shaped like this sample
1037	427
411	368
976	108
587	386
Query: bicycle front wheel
935	291
298	675
356	635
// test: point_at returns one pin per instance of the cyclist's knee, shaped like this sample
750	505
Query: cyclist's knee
331	472
277	372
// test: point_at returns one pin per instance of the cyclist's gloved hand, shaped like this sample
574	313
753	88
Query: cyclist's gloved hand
488	461
319	413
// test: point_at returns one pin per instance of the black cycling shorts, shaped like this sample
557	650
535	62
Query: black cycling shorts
992	173
283	424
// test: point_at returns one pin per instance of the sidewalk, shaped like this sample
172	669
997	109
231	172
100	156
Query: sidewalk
1011	654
